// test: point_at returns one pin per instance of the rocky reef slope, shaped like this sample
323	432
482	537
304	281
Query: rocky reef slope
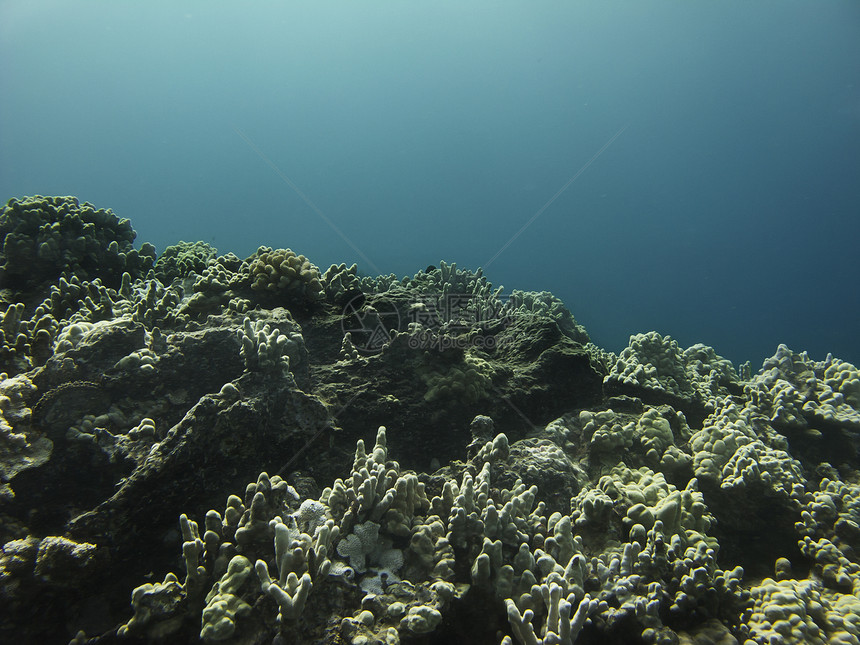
196	447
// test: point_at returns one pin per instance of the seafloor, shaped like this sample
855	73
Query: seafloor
191	450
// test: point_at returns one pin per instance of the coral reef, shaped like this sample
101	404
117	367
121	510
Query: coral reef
42	238
209	449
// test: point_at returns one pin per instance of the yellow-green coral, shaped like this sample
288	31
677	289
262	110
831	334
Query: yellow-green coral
181	259
795	392
787	611
655	434
21	446
650	497
25	343
223	604
282	270
341	282
844	378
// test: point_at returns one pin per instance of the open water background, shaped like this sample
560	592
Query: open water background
394	134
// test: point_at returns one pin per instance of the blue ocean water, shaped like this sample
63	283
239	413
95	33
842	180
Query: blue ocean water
692	168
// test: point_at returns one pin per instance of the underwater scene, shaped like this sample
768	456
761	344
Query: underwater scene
480	322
